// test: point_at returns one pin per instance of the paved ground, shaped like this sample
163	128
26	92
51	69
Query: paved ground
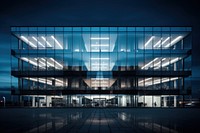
100	120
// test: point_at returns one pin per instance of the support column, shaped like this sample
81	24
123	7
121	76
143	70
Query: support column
48	101
175	101
165	101
33	101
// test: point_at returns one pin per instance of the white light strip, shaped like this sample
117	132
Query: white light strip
98	82
38	41
41	80
47	62
49	82
158	81
99	58
144	80
50	64
76	50
42	63
157	64
165	40
158	43
94	50
99	67
149	41
57	42
163	59
27	41
99	78
57	80
46	41
170	62
56	62
31	62
99	38
60	82
99	45
43	59
174	41
99	64
35	63
99	85
149	63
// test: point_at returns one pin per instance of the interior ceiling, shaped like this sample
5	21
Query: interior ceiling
97	82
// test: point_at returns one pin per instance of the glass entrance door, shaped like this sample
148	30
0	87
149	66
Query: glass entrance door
99	102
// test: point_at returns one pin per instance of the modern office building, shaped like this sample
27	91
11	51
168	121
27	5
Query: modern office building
101	66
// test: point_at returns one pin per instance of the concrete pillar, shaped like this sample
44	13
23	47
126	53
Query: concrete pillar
48	101
175	101
165	101
80	100
33	101
123	101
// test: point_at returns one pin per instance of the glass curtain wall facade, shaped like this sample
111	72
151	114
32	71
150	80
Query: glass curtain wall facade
101	66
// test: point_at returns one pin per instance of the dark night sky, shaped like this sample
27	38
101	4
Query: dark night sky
98	13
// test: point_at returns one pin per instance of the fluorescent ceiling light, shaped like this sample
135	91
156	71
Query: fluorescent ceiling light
99	67
149	63
100	84
47	62
158	43
122	50
99	45
76	50
144	80
57	80
101	50
57	42
38	41
170	62
42	63
158	81
41	80
56	62
165	41
149	41
99	38
46	41
27	41
43	59
36	64
99	64
101	81
99	78
158	62
30	61
174	41
99	58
